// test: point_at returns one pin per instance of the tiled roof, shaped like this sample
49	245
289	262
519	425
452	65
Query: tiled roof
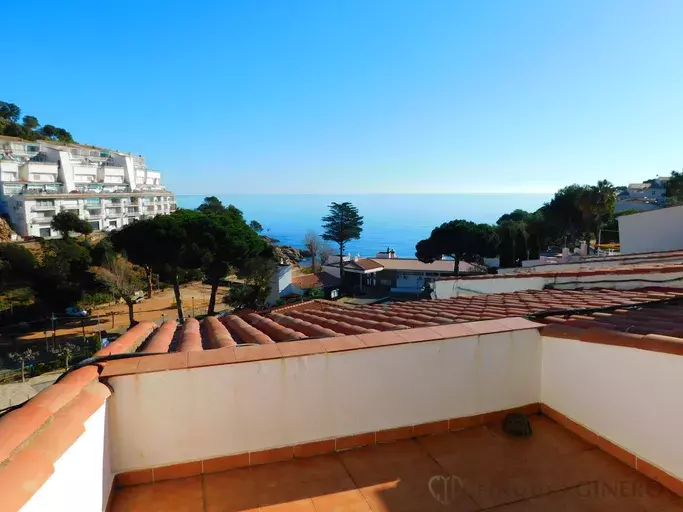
363	264
321	279
407	264
548	271
419	266
321	319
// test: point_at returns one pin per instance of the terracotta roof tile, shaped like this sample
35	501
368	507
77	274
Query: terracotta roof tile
190	337
162	339
321	279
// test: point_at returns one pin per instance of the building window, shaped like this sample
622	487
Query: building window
112	223
32	149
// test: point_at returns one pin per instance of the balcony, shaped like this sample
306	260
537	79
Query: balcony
30	168
41	220
43	208
92	206
320	406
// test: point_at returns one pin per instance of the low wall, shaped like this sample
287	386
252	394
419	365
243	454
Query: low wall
449	288
628	396
82	477
171	417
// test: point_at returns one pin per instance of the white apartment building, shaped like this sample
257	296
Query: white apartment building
107	188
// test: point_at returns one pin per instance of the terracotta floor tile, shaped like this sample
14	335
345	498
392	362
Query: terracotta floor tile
594	498
547	436
379	464
182	495
301	470
230	491
351	501
458	471
292	506
412	493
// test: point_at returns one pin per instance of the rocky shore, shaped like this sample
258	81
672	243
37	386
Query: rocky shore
287	254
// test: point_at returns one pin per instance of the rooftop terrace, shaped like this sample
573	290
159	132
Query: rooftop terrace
390	407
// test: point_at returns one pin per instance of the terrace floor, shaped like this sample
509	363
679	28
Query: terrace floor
474	469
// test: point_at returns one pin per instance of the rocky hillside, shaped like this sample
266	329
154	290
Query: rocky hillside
286	253
5	231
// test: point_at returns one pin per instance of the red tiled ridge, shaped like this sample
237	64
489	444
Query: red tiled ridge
217	334
312	448
309	329
190	337
273	329
641	268
162	339
34	437
245	332
129	341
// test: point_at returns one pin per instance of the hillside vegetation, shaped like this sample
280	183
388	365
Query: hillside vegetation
12	124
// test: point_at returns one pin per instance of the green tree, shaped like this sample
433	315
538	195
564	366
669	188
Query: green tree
214	205
9	111
66	222
122	280
24	357
137	242
223	241
341	225
674	189
461	240
253	293
17	264
165	243
256	226
564	215
63	274
30	122
65	350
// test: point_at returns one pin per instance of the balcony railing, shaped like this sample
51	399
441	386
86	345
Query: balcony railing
43	207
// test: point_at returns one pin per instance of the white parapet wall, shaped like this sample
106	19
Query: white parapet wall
82	478
449	288
176	416
657	230
628	396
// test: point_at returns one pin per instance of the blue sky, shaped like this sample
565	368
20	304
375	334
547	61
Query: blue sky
361	96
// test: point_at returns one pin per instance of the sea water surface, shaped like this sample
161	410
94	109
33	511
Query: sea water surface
398	221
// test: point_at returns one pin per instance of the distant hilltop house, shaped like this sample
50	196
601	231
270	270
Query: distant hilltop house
646	196
105	187
388	273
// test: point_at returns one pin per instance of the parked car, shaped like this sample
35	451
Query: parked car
77	312
138	299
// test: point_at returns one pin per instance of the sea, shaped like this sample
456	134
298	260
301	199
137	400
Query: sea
396	221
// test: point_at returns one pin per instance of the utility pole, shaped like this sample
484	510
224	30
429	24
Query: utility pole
53	330
112	319
193	307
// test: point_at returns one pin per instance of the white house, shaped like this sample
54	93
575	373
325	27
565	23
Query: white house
107	188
